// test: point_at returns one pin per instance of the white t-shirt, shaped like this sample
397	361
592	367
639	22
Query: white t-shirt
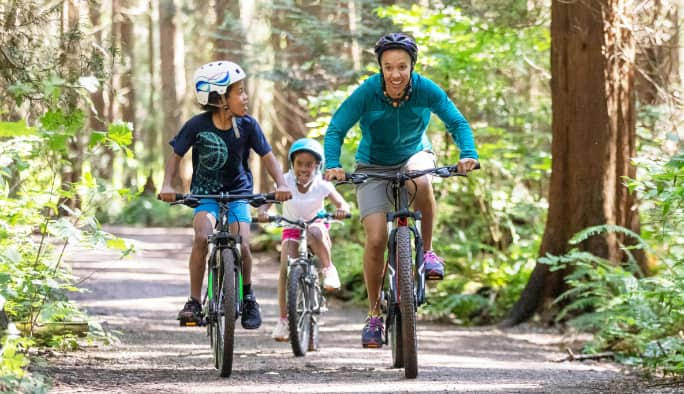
305	205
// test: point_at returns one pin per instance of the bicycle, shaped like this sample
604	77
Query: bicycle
305	300
406	273
222	303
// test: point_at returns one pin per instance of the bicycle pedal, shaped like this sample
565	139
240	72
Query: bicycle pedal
191	323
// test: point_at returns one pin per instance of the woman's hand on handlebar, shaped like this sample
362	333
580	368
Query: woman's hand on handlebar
335	174
467	164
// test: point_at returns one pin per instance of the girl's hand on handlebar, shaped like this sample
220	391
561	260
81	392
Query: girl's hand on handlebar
263	216
342	212
467	164
283	193
335	174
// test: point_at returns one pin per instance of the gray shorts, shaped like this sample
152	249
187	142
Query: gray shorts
375	195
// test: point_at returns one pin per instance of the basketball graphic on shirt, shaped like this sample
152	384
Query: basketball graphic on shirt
213	153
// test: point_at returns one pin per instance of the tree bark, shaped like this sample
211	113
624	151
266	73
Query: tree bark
71	171
592	57
167	52
128	61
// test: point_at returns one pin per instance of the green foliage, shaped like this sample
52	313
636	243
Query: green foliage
148	211
37	224
640	318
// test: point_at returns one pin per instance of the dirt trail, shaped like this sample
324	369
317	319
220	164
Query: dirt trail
141	296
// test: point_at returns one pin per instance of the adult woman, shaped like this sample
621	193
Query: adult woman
393	109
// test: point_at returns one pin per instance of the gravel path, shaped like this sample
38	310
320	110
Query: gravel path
140	297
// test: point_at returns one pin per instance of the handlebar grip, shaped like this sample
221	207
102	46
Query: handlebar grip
180	196
348	216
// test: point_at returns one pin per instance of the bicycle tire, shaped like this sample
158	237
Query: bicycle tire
394	328
228	317
298	311
210	309
407	302
314	337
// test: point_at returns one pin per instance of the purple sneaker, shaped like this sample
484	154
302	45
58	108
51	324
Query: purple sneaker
434	266
371	336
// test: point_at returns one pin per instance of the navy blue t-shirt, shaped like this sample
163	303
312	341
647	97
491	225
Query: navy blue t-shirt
219	158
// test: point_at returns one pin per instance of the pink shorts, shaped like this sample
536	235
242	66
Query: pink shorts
293	234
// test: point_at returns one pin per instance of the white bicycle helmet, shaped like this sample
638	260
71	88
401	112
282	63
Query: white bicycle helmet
216	77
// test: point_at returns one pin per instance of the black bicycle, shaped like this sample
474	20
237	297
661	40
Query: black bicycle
305	300
222	303
403	289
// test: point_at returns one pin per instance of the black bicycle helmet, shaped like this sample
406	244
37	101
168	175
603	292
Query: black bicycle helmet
397	41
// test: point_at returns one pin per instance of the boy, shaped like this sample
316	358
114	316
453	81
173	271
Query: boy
221	138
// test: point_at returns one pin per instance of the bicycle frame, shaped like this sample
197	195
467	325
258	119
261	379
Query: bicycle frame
305	300
220	240
223	296
404	269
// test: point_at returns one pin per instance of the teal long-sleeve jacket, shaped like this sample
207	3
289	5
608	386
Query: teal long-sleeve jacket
389	135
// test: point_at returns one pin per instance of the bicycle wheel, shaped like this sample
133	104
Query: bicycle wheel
407	302
314	335
210	309
394	331
227	316
298	311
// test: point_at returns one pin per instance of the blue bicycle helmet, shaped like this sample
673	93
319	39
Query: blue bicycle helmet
397	41
308	145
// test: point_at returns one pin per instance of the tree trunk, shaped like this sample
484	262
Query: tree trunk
151	138
592	57
230	38
128	62
71	171
169	98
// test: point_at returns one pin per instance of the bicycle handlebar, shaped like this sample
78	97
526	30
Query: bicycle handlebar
255	200
442	172
327	216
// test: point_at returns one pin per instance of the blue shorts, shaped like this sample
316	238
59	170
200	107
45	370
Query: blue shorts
238	210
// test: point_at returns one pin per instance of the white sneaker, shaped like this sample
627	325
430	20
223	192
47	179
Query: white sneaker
281	332
331	280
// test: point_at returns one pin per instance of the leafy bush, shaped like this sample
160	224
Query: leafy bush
640	318
148	211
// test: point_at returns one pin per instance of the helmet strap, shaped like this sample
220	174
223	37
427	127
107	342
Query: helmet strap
307	184
404	97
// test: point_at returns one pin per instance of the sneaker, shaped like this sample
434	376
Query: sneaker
372	333
434	266
251	317
191	314
281	332
331	280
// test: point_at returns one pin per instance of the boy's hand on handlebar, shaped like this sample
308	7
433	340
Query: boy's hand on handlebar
467	164
283	193
167	194
335	174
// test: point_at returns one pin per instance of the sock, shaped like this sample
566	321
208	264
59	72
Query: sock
246	289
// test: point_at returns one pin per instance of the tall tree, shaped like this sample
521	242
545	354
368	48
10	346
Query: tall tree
169	97
71	52
592	66
128	63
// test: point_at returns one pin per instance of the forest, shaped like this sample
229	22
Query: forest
576	218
